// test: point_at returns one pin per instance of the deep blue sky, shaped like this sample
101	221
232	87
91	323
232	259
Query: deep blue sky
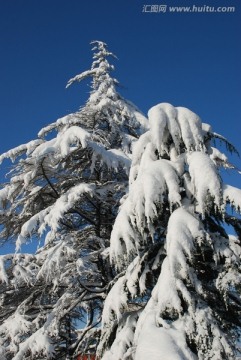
192	60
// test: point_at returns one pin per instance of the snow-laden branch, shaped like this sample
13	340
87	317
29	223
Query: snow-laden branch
205	179
232	196
27	148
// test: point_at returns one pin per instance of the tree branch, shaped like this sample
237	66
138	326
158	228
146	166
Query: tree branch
48	181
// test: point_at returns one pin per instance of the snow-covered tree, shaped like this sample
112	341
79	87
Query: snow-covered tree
64	189
176	293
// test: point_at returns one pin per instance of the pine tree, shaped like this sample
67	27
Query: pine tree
64	190
176	292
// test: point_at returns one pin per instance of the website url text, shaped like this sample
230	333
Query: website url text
187	9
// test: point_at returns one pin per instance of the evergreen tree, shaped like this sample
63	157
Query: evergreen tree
64	189
176	292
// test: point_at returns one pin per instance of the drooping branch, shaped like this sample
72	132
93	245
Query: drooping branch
94	291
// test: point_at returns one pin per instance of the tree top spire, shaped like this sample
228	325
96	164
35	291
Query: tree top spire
100	69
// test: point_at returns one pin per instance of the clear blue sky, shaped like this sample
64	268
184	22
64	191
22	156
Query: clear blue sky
192	60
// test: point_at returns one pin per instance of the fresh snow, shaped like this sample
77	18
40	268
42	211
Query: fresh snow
205	179
64	190
232	195
157	343
136	261
176	204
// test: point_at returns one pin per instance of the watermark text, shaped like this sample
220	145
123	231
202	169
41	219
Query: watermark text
162	8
